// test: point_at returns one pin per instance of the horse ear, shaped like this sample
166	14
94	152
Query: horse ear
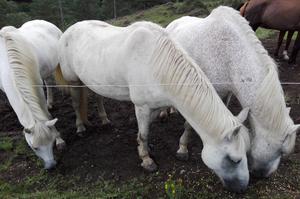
288	110
232	133
243	115
51	122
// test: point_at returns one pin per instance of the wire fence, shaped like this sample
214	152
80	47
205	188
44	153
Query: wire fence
146	85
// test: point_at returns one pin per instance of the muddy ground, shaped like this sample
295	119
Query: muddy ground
109	154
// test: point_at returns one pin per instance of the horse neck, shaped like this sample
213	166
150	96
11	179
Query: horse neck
246	92
23	109
191	92
267	103
25	114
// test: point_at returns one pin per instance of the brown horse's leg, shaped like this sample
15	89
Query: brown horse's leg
280	39
295	50
288	41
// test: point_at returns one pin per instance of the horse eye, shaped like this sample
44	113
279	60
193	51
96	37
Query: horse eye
36	148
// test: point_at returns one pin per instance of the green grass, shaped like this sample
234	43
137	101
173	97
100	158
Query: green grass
263	33
163	14
101	189
166	13
6	144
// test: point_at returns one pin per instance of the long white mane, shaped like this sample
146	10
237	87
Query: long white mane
26	76
182	78
269	107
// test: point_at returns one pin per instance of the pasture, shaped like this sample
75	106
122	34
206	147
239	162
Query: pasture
105	164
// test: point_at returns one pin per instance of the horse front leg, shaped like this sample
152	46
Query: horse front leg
280	39
183	153
49	93
143	115
76	102
60	143
101	110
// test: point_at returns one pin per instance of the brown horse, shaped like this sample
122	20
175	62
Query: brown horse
283	15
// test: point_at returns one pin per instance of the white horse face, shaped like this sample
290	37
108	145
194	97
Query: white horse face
229	161
266	151
43	150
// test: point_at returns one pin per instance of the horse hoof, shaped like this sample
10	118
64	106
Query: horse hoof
105	122
150	167
182	156
61	146
81	129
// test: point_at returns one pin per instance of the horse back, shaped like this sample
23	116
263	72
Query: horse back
44	37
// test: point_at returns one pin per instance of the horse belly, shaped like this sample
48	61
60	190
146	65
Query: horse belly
103	81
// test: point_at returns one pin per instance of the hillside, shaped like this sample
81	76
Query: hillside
166	13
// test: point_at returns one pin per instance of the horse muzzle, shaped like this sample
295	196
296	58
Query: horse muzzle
49	165
236	185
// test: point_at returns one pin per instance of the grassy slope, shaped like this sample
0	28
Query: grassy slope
56	186
165	14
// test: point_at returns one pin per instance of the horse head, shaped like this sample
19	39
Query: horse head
267	147
40	137
227	156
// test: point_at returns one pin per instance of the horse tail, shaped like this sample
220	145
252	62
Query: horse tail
61	81
84	105
64	85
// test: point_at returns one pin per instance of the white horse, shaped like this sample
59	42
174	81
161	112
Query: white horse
230	54
140	63
44	35
26	55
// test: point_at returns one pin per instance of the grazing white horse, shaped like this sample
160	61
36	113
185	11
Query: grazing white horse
230	54
26	55
140	63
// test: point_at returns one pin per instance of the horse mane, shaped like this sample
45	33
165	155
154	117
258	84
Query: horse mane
269	106
25	73
180	76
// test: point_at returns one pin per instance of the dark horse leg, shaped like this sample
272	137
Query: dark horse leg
295	50
280	39
288	42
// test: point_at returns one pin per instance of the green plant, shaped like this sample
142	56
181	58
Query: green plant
6	144
174	188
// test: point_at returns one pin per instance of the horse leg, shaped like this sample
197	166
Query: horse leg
228	99
143	115
165	113
60	143
101	110
173	110
183	153
49	92
76	94
288	42
280	39
295	50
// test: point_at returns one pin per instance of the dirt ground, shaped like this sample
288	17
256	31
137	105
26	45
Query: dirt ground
109	153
